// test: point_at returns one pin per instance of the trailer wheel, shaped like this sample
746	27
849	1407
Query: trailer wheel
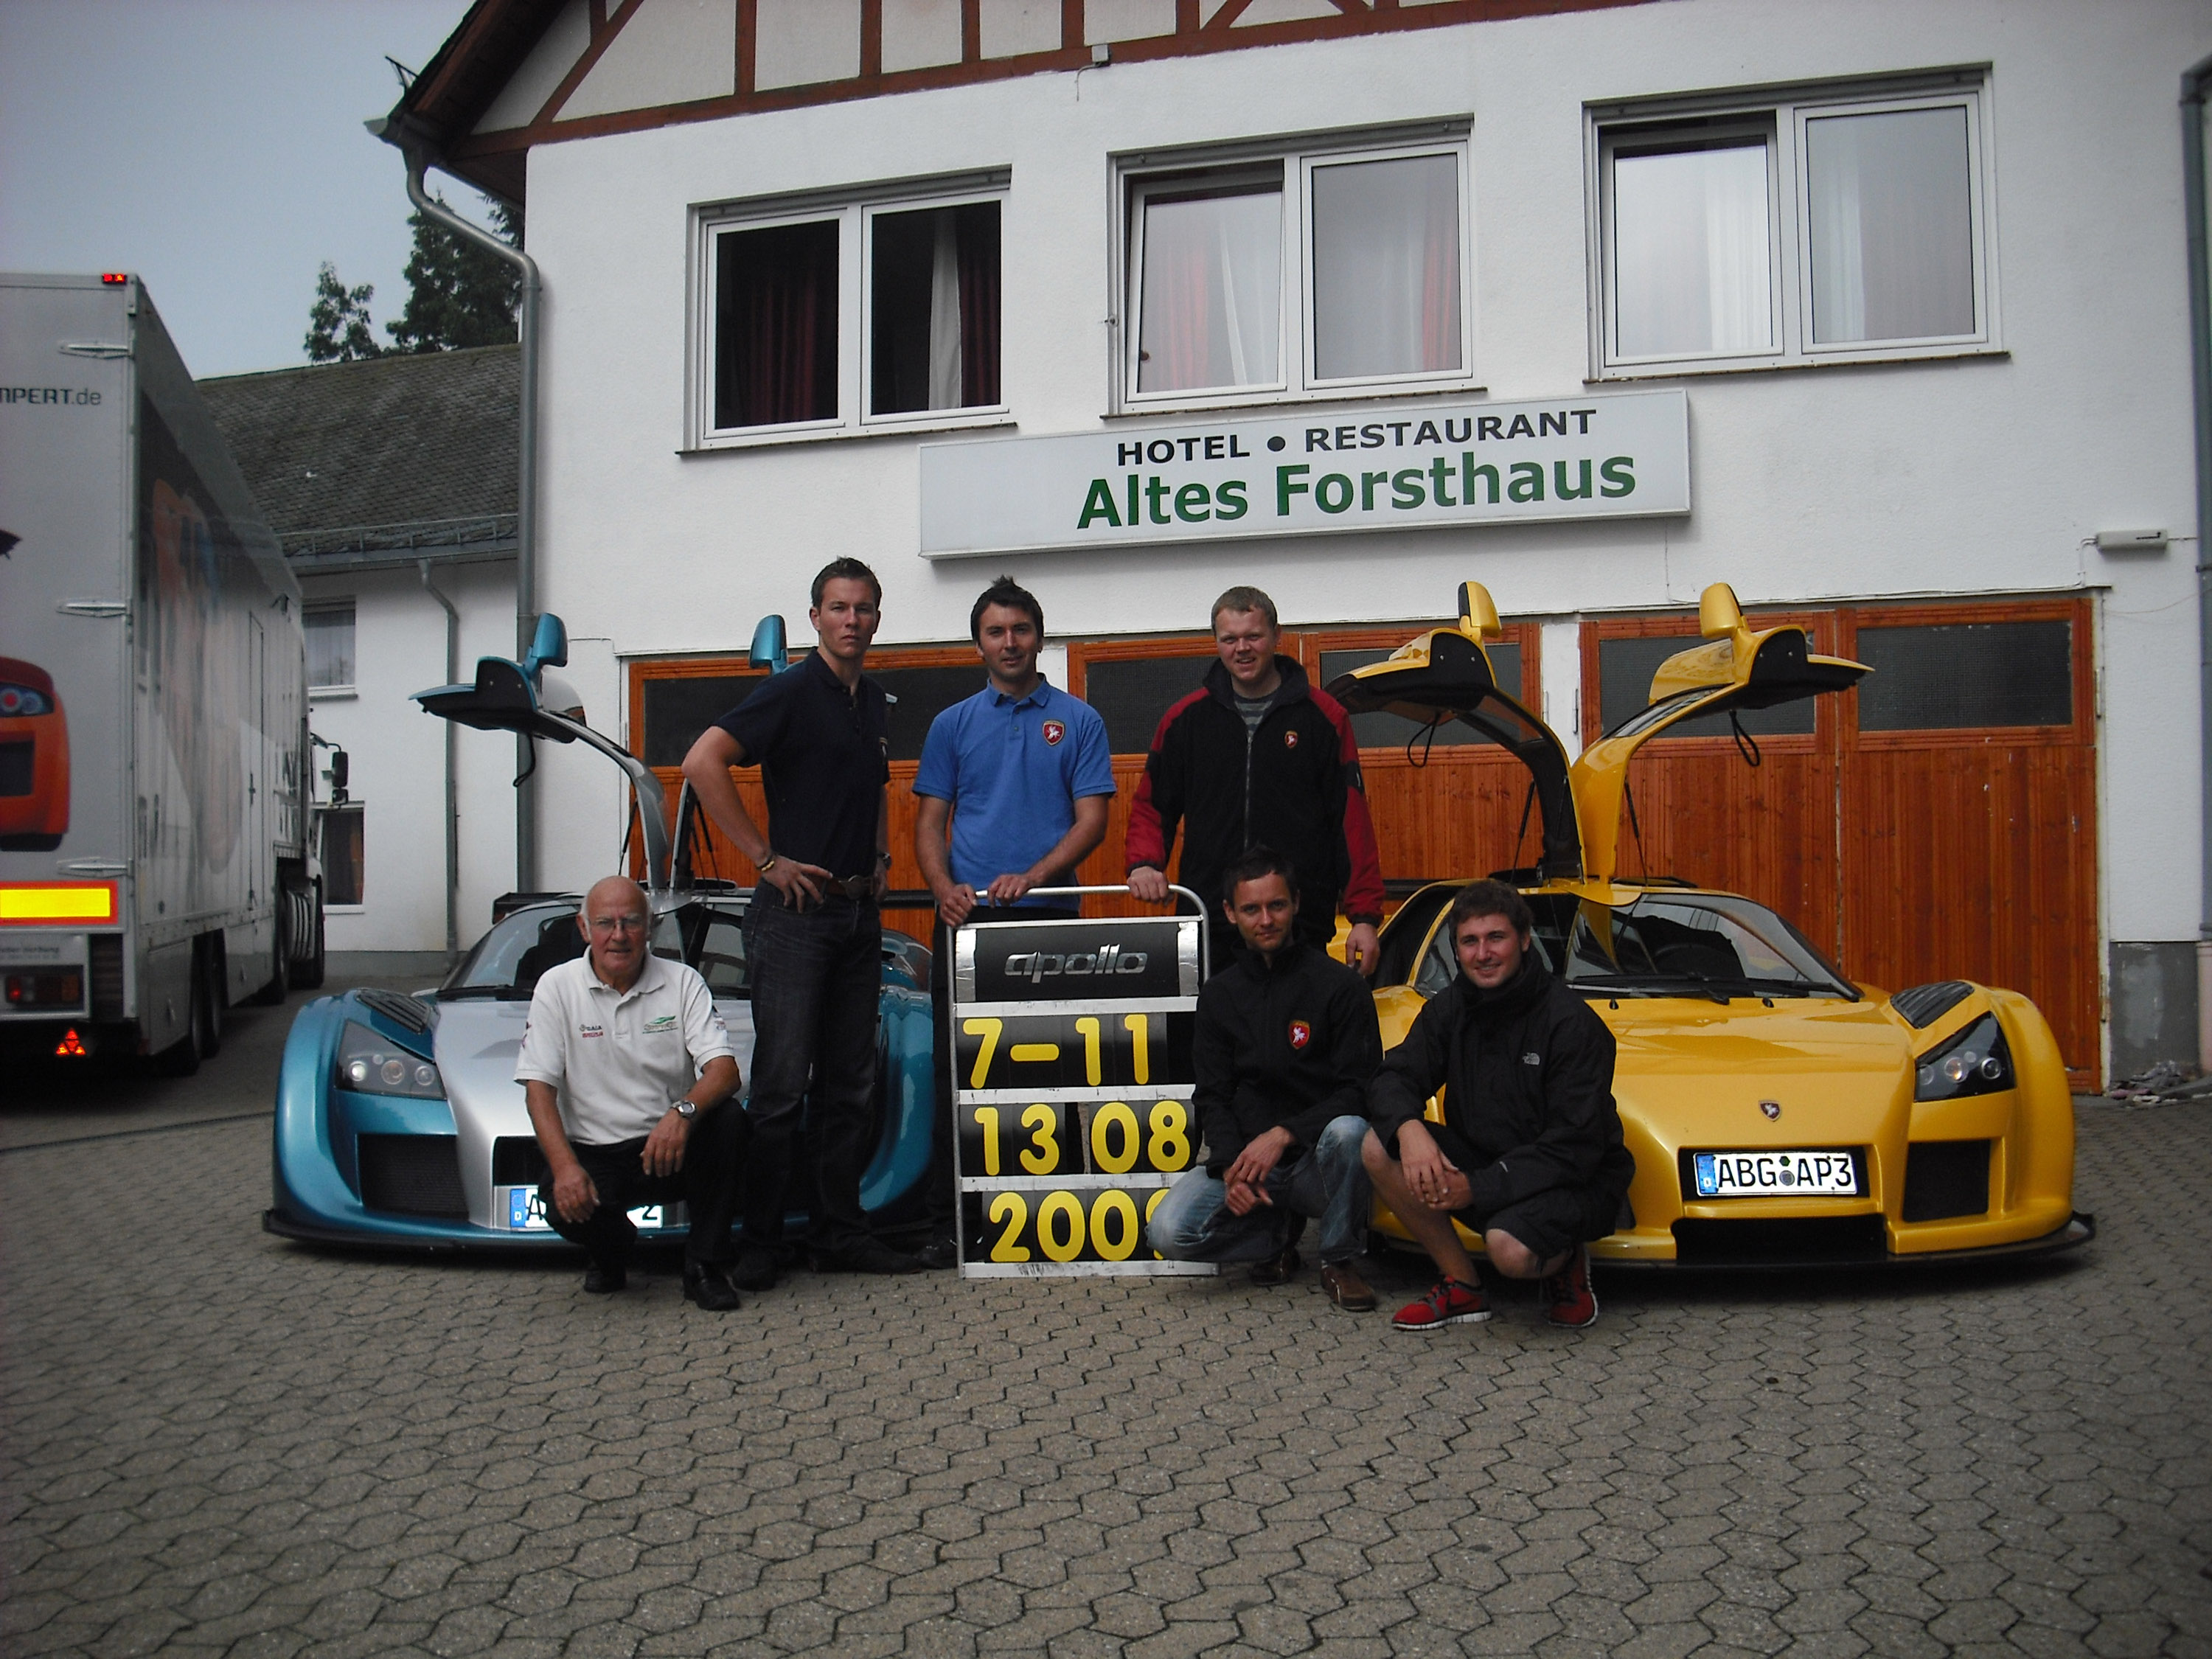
182	1058
308	971
280	965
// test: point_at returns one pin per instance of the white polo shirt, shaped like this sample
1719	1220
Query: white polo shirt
617	1059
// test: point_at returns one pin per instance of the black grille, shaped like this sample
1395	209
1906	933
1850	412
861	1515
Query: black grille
16	769
516	1161
404	1011
412	1174
107	975
1945	1178
1924	1005
1795	1241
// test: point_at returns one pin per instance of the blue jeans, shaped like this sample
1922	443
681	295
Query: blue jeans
817	975
1193	1224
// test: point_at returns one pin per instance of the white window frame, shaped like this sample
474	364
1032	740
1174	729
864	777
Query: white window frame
1136	177
1782	113
854	212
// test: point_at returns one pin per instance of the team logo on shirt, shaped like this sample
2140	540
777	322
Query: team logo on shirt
1054	730
1301	1034
1290	739
661	1023
590	1030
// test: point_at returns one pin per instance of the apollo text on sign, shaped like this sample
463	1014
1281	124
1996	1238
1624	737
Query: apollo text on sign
1071	1082
1617	455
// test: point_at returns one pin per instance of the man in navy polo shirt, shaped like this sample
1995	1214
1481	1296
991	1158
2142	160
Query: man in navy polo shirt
1023	772
813	931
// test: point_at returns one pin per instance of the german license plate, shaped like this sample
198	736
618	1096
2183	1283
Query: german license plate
526	1214
1776	1175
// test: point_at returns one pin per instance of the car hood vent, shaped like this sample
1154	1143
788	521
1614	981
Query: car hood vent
401	1011
1921	1006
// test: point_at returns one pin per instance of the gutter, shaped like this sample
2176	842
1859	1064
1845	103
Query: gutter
408	135
452	802
2196	85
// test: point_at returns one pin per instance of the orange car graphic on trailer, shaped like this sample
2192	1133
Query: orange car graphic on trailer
34	760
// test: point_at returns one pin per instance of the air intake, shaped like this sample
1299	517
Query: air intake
1924	1005
412	1174
1945	1178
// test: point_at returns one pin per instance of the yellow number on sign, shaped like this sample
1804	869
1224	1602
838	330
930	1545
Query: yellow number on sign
1042	1155
1140	1028
1117	1116
1120	1242
987	1116
988	1030
1014	1210
1150	1205
1089	1026
1170	1145
1057	1204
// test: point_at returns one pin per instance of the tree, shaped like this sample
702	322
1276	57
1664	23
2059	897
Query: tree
459	294
337	323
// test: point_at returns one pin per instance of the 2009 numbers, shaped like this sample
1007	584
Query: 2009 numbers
1060	1227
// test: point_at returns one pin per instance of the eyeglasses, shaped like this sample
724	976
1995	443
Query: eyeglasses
618	924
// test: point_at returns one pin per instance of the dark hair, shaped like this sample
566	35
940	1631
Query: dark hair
1492	898
846	570
1014	597
1243	598
1253	864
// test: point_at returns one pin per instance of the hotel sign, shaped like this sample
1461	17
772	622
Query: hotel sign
1393	467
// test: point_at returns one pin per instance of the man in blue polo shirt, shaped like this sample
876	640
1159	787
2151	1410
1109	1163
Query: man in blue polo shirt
1022	771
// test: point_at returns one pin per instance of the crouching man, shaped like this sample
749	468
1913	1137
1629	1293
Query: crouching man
1285	1043
628	1072
1529	1154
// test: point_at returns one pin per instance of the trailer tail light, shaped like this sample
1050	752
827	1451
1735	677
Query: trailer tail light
50	903
114	278
71	1046
43	987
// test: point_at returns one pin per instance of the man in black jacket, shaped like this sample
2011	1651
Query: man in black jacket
1529	1154
1284	1043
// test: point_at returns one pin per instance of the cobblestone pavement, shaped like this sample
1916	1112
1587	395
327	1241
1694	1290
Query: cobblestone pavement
217	1442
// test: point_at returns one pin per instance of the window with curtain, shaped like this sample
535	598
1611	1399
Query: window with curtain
775	325
1796	230
933	292
1302	272
329	628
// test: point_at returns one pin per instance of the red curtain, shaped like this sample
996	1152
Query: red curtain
776	340
978	231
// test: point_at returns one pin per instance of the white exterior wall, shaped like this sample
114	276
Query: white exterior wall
397	755
1984	476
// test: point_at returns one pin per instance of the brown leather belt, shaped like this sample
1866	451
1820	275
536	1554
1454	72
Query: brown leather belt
854	887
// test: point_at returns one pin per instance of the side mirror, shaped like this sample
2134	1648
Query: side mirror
548	647
338	772
768	647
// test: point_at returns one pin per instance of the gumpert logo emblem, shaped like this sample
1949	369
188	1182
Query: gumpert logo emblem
1039	965
1054	730
1301	1034
1772	1108
1290	739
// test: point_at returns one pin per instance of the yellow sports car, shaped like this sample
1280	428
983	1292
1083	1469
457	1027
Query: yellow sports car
1780	1115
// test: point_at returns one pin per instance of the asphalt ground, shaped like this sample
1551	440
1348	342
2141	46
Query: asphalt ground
212	1441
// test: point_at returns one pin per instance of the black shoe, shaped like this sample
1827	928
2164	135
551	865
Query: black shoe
600	1280
875	1257
757	1268
1278	1269
939	1255
707	1284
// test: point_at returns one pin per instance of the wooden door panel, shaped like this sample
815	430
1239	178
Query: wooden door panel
1454	817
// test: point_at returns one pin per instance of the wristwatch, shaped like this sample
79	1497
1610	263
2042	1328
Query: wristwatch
685	1108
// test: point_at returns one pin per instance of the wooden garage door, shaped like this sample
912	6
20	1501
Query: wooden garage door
1938	823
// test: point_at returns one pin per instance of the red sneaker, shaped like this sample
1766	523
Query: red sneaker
1448	1302
1570	1300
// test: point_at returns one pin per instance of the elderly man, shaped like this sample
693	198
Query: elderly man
628	1072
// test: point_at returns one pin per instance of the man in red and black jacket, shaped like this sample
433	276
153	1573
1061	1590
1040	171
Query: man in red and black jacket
1258	754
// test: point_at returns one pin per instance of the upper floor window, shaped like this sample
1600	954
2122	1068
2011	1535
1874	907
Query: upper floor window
1807	228
329	628
1299	273
846	317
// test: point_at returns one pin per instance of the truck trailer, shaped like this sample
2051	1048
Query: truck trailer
156	787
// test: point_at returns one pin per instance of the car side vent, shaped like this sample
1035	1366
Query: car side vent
516	1161
401	1011
1945	1178
106	975
1813	1241
1924	1005
412	1174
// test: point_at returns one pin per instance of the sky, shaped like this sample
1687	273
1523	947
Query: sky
215	148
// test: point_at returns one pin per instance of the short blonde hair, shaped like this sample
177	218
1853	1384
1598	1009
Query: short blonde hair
1245	599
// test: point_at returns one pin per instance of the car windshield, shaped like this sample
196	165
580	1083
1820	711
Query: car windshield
506	961
1665	945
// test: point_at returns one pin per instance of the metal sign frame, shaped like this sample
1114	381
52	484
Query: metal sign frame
1061	1183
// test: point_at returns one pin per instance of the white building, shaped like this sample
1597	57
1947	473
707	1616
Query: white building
1882	305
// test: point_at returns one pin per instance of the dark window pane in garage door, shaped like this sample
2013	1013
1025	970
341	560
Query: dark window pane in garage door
922	693
1952	675
677	710
1625	668
1131	696
1382	731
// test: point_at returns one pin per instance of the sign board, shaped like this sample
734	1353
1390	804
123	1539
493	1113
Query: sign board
1072	1083
1386	467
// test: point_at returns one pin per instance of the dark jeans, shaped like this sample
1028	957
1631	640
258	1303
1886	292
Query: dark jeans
707	1183
816	976
944	1197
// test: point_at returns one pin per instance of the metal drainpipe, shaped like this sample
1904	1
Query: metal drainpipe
2195	85
526	516
452	803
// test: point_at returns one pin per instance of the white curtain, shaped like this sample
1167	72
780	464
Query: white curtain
1211	292
1691	238
1891	226
1386	267
944	365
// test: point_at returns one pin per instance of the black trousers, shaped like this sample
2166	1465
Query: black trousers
707	1183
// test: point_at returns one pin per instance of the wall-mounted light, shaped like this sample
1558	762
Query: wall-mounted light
2132	541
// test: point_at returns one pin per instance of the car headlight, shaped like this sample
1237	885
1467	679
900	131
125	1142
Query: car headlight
16	700
1977	1061
369	1065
